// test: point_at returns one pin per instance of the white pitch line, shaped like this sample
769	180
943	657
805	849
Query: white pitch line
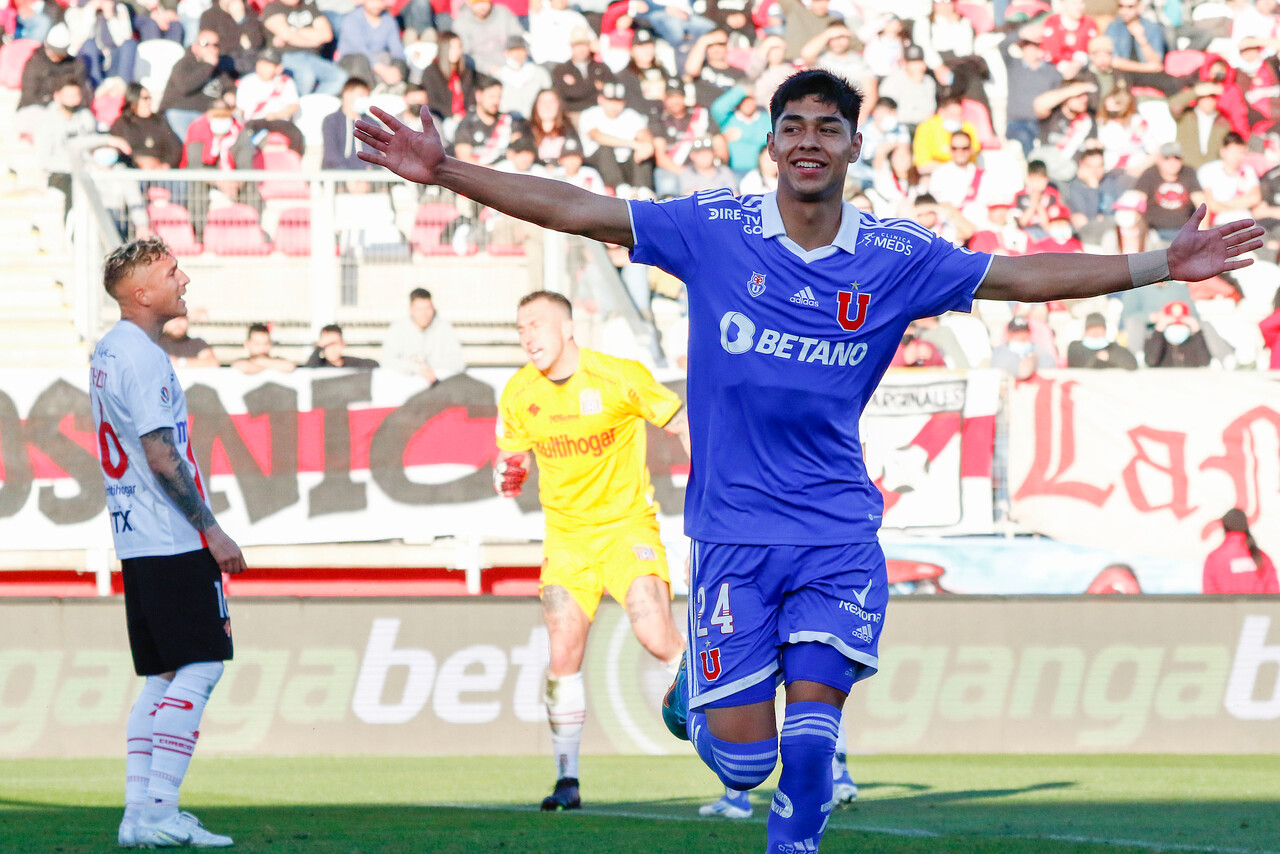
912	832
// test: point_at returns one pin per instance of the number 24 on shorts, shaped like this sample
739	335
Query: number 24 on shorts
721	613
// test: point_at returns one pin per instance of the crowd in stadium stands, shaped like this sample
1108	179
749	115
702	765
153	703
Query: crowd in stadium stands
1009	126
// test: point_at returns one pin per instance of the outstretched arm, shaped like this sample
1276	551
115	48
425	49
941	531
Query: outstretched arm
1193	256
419	156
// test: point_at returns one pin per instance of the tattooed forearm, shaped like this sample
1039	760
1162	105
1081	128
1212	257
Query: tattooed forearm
175	479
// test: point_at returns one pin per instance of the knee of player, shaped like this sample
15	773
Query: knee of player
743	766
199	677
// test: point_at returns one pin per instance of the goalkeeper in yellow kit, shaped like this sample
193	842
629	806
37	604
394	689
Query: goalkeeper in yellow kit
582	414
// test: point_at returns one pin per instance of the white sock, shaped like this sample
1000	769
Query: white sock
566	710
137	763
177	726
673	666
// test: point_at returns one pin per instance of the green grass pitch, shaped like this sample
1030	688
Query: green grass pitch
908	805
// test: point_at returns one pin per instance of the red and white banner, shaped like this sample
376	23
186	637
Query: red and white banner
341	456
1145	461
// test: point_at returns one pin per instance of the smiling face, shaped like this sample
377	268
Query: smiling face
546	334
813	145
160	287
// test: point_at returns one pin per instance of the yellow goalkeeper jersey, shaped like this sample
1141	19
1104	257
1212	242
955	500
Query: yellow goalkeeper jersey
588	435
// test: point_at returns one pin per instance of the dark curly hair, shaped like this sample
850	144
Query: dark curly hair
127	258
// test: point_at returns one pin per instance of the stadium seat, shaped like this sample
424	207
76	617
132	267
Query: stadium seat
156	59
278	157
234	230
975	113
13	58
979	15
312	110
1180	63
429	226
505	249
172	224
107	108
293	234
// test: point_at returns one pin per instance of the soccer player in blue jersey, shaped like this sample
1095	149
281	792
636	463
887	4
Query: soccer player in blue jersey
797	302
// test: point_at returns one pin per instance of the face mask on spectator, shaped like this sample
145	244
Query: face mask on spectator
362	105
887	124
1095	342
1022	348
105	157
1177	333
1060	233
1250	68
221	126
1127	218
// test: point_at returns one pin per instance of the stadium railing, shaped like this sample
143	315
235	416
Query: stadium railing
306	249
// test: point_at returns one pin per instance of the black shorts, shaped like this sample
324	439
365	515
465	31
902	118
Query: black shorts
176	611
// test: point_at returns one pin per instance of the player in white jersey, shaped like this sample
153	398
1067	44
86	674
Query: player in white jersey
797	302
172	550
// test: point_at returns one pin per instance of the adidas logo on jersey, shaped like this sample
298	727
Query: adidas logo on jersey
805	296
863	633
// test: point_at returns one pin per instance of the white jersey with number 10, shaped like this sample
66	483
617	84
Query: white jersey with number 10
134	391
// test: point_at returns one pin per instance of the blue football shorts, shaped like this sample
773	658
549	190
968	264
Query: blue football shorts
755	613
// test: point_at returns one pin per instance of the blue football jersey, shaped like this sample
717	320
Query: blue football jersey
785	349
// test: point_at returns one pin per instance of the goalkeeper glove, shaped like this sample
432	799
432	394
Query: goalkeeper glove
509	476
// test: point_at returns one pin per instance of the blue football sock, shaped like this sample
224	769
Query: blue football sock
700	736
744	765
802	804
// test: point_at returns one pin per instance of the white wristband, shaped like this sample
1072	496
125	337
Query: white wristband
1147	268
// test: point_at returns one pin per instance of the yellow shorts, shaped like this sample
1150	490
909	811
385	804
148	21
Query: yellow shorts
586	563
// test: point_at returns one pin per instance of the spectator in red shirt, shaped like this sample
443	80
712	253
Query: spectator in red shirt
1061	237
915	352
1067	35
1238	565
1270	326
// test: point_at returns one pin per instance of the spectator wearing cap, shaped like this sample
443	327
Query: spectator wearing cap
299	30
521	79
571	169
1097	350
1172	192
239	30
702	172
1067	34
935	137
643	76
102	38
450	80
48	67
1201	125
674	133
838	51
745	127
552	29
1031	76
912	88
1019	356
485	132
199	78
268	95
1176	339
484	29
338	129
617	141
578	79
551	127
1061	236
1231	189
1091	196
369	40
801	22
1256	108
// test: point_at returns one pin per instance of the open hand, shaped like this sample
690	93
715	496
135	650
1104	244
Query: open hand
1197	255
414	155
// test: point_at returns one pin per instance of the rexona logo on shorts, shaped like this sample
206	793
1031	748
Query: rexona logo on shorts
738	335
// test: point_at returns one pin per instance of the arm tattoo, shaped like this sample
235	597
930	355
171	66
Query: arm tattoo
176	480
